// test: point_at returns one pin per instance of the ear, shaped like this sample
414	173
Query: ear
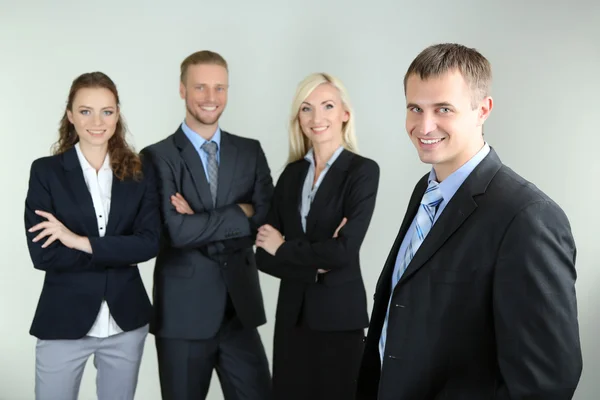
70	116
346	116
182	90
484	109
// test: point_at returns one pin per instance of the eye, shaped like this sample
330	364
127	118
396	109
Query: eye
415	109
199	87
305	109
108	112
84	112
328	106
444	110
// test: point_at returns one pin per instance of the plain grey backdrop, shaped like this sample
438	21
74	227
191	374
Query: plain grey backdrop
545	58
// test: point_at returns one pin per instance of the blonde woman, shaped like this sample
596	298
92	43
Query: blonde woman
320	213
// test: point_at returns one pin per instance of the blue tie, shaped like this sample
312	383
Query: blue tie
423	223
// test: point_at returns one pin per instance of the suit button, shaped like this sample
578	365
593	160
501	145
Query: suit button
225	264
400	305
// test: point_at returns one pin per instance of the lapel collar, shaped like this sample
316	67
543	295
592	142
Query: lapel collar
118	201
329	185
298	178
413	206
194	163
460	207
82	195
227	161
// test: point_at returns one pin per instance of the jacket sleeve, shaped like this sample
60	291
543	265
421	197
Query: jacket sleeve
268	263
535	307
261	201
199	229
56	257
337	252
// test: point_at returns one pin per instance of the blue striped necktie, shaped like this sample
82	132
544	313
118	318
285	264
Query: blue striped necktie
423	223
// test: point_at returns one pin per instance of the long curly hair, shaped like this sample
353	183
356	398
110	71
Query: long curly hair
124	161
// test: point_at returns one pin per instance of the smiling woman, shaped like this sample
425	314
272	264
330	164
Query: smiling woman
91	216
92	117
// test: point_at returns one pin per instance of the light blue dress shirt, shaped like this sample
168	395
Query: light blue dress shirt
448	187
198	141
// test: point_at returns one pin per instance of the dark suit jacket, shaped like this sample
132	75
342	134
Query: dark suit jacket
77	282
338	300
208	255
487	307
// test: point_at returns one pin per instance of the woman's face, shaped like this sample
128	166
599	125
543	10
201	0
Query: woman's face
322	115
94	114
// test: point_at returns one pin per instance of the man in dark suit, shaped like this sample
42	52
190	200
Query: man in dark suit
215	190
477	297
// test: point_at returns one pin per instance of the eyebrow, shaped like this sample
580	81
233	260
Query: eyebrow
91	108
323	102
437	105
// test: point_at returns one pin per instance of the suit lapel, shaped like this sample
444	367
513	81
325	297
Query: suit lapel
460	207
299	178
330	183
227	163
81	194
413	207
118	201
194	163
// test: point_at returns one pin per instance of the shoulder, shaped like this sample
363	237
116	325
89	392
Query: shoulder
242	142
516	195
162	147
46	164
363	166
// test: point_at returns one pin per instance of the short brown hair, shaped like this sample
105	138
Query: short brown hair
124	161
439	59
201	57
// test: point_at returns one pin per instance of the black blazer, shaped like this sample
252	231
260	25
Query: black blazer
207	256
487	307
337	301
77	282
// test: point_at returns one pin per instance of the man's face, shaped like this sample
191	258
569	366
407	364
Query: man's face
442	122
205	92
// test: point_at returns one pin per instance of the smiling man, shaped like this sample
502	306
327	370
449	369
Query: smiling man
477	297
215	192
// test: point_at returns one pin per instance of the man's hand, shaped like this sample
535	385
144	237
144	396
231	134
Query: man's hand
180	204
335	235
248	209
57	231
269	239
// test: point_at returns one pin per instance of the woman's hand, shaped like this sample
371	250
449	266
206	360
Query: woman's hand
57	231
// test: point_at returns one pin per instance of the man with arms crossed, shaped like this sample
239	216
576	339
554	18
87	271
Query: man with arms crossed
215	192
477	297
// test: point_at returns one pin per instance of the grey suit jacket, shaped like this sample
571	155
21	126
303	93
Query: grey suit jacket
208	254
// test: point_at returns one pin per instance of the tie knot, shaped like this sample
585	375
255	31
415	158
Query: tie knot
210	148
433	195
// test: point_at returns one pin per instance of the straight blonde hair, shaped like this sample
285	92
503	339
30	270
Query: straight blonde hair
299	143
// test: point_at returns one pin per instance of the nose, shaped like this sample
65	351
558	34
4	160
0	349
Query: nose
210	94
97	119
317	116
427	124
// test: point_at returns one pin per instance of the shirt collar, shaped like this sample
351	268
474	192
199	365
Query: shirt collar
85	165
198	140
450	185
310	156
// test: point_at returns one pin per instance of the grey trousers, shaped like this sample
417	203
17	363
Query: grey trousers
59	365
